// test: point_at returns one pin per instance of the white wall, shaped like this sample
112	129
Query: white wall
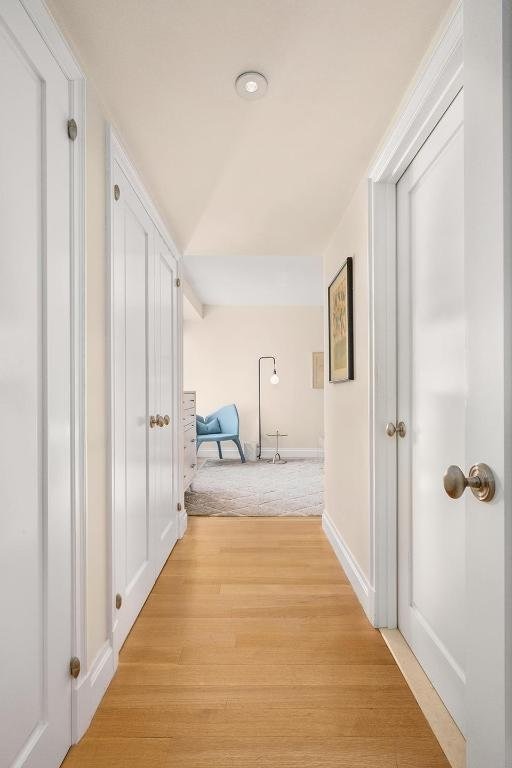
221	354
346	403
347	426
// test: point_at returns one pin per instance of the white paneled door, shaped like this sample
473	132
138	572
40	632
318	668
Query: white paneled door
35	408
144	402
432	402
133	387
166	400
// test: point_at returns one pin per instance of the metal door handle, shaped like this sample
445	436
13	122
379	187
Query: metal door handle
156	421
399	430
167	420
480	479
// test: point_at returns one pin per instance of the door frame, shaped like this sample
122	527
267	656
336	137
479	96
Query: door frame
439	82
474	52
56	43
117	154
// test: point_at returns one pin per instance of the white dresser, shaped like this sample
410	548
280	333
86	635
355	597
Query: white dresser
189	438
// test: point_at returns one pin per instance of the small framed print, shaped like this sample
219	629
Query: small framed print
318	370
341	331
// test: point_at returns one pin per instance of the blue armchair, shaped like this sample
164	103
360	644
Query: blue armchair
219	426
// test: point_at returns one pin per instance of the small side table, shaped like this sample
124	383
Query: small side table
277	456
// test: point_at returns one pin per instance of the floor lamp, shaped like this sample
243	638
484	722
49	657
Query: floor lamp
274	379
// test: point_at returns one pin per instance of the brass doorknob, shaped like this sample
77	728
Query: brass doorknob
156	421
399	430
167	420
480	479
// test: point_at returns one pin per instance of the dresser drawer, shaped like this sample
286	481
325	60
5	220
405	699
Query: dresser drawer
189	437
187	478
189	422
189	401
190	463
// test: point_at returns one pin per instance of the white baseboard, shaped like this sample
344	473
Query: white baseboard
363	589
91	689
209	451
182	523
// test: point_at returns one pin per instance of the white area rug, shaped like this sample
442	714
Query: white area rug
228	488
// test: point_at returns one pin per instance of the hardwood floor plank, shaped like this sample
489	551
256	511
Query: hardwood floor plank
253	651
200	722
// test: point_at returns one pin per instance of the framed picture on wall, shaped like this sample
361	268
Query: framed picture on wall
318	370
341	331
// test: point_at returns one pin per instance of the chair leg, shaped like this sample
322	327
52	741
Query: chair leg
220	450
240	451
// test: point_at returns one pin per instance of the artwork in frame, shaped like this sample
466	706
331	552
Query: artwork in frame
318	370
341	332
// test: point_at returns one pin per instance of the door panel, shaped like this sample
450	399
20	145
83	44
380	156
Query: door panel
133	267
166	519
136	403
35	489
432	401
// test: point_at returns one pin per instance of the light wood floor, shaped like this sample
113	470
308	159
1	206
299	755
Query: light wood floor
252	650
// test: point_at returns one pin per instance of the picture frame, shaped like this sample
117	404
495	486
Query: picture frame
341	324
318	370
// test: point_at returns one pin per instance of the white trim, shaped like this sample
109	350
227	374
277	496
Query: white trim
117	152
182	523
53	38
355	575
181	459
60	50
437	86
92	688
209	451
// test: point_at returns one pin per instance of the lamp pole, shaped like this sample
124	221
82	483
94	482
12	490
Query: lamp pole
265	357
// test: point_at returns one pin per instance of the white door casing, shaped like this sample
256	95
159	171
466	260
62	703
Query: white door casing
41	377
432	401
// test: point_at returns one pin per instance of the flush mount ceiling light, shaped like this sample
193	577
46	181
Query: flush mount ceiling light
251	85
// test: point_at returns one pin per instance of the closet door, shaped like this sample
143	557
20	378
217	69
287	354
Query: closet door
166	383
35	406
133	381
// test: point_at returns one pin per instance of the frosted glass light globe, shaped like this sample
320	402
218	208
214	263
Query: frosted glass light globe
274	379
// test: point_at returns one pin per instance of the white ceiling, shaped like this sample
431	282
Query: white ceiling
255	280
234	177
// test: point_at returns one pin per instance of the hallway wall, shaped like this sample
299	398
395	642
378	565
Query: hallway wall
221	354
346	403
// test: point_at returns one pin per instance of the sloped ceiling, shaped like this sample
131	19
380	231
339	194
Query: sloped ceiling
233	177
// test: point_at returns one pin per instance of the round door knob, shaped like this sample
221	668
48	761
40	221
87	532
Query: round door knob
480	479
153	421
392	430
160	420
167	420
